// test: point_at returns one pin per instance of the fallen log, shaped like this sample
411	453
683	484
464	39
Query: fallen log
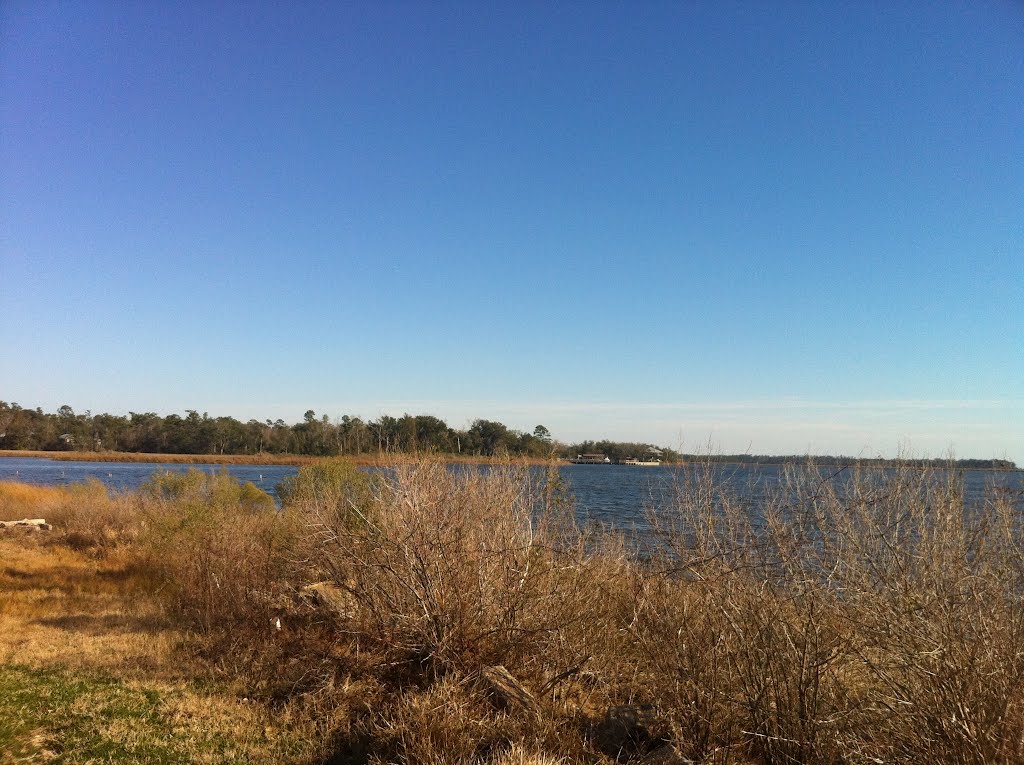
39	523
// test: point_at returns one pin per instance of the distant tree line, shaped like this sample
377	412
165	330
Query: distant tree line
826	461
195	433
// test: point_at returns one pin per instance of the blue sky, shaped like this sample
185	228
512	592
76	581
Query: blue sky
759	227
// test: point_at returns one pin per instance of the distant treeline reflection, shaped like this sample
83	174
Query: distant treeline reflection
195	433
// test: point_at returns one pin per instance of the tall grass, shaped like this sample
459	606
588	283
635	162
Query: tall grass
83	515
22	500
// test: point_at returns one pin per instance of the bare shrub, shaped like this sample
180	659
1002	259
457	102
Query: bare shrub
938	617
453	568
841	616
862	614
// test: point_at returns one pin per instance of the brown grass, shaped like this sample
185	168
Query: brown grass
60	606
855	616
84	515
87	630
23	500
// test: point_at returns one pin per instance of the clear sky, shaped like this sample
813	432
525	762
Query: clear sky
763	227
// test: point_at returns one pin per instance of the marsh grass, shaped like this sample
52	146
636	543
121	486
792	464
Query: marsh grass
84	515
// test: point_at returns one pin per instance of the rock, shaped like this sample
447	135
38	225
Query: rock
506	691
331	597
628	729
39	523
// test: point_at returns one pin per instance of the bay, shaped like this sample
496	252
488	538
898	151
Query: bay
615	496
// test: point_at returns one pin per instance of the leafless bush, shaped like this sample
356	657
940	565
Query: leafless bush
854	615
455	569
938	619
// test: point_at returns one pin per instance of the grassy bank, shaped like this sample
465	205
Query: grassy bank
94	669
430	617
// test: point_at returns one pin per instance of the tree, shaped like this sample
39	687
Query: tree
354	435
491	437
424	432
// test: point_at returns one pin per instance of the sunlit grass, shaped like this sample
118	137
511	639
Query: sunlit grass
23	500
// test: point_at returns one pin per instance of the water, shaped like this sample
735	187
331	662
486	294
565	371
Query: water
128	475
611	495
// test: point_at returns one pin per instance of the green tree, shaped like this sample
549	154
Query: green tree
491	437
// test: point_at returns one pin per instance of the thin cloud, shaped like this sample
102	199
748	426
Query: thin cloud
786	404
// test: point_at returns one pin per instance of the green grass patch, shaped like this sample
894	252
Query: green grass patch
53	715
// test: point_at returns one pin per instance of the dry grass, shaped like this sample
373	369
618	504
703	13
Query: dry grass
23	500
84	515
846	617
59	606
91	669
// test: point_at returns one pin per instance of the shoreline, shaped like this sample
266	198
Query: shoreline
387	460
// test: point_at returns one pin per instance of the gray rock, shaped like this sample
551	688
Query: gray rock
632	729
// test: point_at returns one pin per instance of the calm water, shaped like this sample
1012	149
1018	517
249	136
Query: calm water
615	495
128	475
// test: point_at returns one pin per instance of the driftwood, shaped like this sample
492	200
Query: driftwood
507	692
38	523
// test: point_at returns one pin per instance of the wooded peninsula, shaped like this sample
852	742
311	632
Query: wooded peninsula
116	437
